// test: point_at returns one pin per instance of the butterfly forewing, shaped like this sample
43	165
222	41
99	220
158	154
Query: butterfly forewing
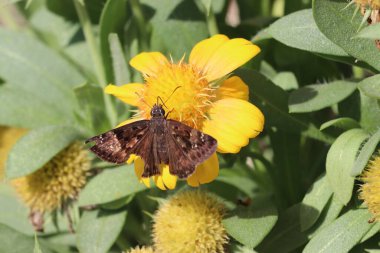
118	144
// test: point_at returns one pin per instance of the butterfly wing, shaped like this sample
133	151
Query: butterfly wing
153	151
118	144
187	148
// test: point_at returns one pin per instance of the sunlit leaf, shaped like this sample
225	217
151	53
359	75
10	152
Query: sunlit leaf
340	160
98	230
300	31
337	25
37	147
365	153
341	235
110	185
315	97
249	225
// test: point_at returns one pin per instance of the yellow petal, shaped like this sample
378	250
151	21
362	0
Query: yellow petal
164	181
129	121
233	87
128	93
232	122
219	56
168	179
139	169
205	172
204	50
149	63
159	182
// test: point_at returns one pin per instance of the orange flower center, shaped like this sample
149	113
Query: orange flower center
185	91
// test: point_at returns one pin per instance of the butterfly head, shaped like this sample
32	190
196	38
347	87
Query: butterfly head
157	111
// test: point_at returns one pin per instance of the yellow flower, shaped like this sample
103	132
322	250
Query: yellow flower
8	137
57	181
141	250
189	222
370	190
208	99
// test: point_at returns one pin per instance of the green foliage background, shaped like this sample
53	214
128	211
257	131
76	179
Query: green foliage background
316	80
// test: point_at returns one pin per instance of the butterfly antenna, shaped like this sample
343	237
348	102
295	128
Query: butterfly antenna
162	101
143	100
172	93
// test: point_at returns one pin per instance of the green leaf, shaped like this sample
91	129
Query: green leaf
249	225
49	27
242	249
120	67
342	235
286	163
365	154
13	211
79	55
12	241
369	113
299	30
339	162
328	215
37	147
241	182
314	202
185	18
116	204
110	185
342	123
112	20
318	96
21	109
92	108
37	248
335	23
37	70
286	235
98	230
66	9
273	101
286	80
371	86
373	231
370	32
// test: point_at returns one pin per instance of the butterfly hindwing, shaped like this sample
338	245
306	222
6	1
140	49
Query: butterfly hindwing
118	144
188	148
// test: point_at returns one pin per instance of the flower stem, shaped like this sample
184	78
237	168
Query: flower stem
95	55
211	23
138	14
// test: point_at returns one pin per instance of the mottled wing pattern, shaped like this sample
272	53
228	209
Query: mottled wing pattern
156	141
118	144
187	148
153	151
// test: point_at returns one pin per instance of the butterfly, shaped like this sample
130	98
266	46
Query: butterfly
157	141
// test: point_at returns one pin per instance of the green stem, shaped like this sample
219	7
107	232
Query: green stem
211	23
91	42
138	14
96	58
266	7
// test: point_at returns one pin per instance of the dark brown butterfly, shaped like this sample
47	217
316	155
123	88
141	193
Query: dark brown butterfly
157	141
